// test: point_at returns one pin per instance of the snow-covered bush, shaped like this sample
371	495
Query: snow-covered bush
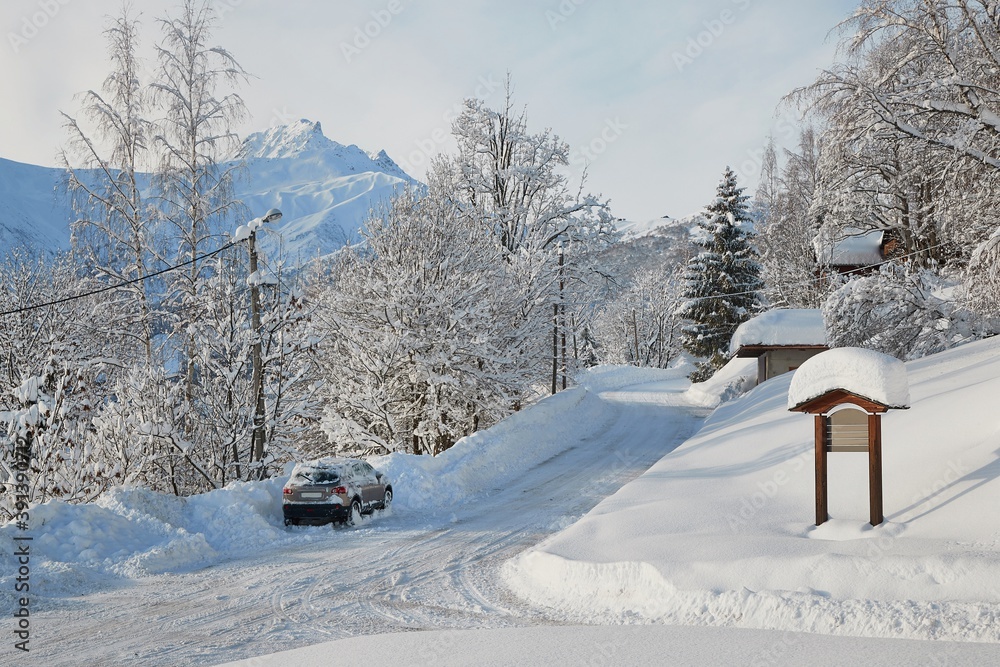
45	431
899	311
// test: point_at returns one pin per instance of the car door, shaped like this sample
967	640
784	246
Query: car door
361	483
366	476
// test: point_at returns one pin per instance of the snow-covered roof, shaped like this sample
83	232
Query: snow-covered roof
856	249
866	373
792	327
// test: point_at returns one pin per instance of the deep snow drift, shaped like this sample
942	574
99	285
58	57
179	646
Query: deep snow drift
720	531
654	645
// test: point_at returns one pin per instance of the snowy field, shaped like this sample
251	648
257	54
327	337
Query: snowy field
549	538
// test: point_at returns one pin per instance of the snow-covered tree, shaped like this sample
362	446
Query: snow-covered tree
152	434
112	232
423	330
514	184
982	280
51	414
60	361
786	222
194	137
912	143
144	436
640	326
898	312
290	377
722	283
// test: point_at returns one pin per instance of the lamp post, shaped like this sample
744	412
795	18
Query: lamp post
257	438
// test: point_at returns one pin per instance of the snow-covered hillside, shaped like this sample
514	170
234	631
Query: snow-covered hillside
323	188
665	226
34	209
720	531
651	245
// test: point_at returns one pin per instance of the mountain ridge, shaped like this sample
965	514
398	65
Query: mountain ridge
324	189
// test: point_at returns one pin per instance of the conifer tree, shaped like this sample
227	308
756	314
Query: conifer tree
722	281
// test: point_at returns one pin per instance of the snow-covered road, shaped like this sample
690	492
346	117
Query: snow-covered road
405	570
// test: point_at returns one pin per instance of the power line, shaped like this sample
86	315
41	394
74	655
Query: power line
133	281
126	283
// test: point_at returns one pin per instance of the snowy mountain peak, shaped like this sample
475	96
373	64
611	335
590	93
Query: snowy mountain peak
304	142
387	164
288	141
658	227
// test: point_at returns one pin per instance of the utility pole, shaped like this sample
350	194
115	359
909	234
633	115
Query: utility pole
555	332
562	313
257	382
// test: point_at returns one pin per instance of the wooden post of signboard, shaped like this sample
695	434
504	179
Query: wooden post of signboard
849	430
875	468
821	475
847	422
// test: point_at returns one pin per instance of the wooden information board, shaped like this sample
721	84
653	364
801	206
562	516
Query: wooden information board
847	431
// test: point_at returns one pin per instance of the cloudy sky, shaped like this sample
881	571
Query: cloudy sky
656	96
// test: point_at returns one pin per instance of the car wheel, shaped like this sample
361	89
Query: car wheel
354	518
387	499
291	522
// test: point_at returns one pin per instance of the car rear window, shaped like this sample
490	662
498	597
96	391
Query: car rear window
317	477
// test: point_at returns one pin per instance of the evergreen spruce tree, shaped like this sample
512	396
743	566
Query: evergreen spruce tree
722	281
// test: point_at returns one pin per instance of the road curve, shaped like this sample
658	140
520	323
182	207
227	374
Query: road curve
396	572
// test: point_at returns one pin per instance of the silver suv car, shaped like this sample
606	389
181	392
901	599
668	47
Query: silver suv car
334	489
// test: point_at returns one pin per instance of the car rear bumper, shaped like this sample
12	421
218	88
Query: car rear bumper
315	512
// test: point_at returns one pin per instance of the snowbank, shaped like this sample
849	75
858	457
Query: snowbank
622	645
137	532
866	373
787	327
489	459
720	531
732	380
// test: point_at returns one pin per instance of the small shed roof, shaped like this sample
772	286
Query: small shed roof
800	328
854	372
856	249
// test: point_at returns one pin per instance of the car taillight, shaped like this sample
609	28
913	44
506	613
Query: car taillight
338	490
286	491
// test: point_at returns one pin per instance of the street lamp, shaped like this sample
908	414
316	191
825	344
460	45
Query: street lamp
257	439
